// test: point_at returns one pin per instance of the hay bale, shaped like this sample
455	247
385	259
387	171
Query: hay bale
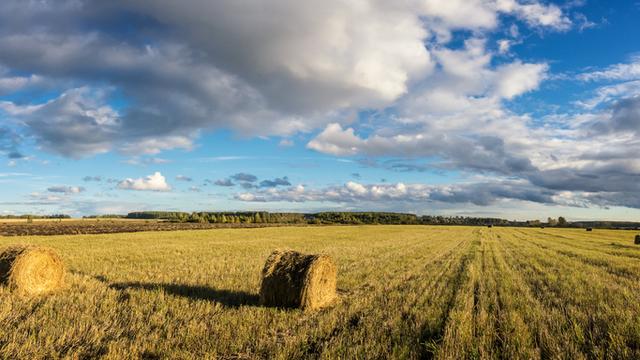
295	280
31	270
589	229
637	241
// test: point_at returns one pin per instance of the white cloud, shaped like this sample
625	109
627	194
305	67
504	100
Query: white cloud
621	72
155	182
184	178
153	146
605	95
536	14
352	192
247	197
356	188
459	116
336	141
517	78
66	189
73	124
349	54
504	45
460	13
9	84
345	56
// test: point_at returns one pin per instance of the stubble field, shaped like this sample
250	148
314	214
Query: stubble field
407	292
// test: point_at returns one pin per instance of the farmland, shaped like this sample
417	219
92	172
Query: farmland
404	292
75	227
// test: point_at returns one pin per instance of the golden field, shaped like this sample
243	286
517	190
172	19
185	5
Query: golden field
405	292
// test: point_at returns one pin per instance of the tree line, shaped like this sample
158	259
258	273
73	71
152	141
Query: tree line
29	216
280	218
340	217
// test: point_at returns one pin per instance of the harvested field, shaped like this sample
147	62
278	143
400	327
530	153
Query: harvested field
75	227
407	292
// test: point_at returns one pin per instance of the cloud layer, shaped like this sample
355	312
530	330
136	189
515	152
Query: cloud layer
353	192
428	85
205	65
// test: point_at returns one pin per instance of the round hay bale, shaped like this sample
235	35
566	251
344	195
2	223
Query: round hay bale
589	229
31	270
637	241
294	280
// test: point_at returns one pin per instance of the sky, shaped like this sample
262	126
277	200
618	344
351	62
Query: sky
519	109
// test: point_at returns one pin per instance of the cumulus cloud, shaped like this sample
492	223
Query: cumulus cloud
625	117
607	95
37	198
479	193
336	141
222	182
154	182
517	78
384	51
481	153
197	81
591	155
244	177
10	84
184	178
184	72
621	72
439	104
66	189
250	181
283	181
79	123
472	193
536	14
89	178
459	121
70	125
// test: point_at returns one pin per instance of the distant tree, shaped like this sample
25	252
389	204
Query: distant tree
562	221
552	222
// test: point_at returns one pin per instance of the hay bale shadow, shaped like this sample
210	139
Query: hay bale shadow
620	246
227	298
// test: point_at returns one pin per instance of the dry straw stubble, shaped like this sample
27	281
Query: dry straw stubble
31	270
295	280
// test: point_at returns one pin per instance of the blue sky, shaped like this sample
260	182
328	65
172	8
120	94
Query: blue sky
516	109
